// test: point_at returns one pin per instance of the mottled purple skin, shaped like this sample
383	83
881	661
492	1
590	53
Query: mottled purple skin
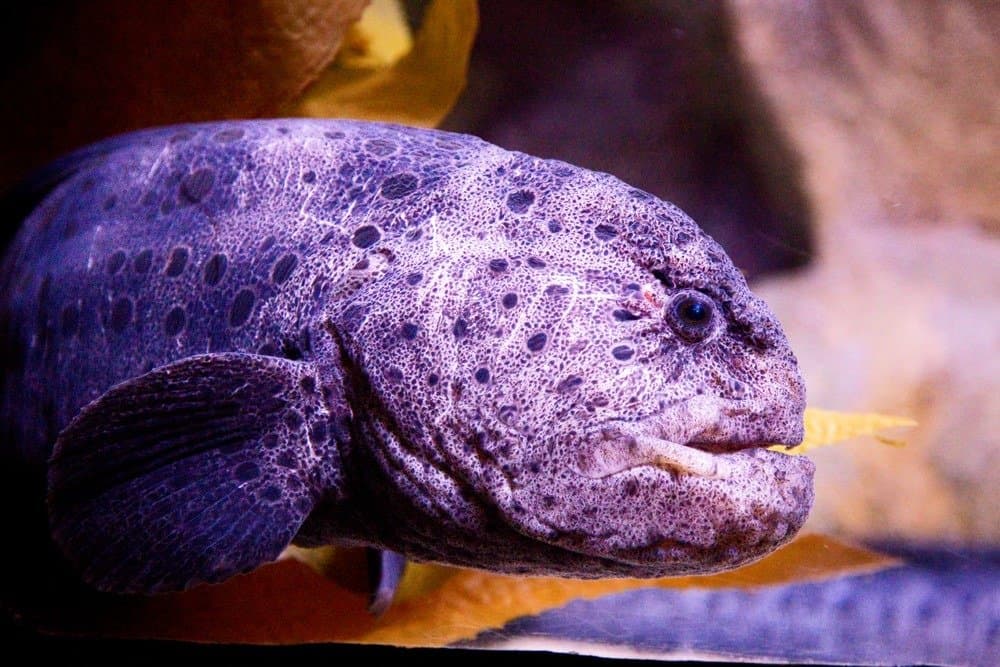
495	329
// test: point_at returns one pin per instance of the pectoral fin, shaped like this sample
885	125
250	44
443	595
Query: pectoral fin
191	473
385	570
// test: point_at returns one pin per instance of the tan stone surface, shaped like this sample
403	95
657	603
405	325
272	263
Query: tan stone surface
893	107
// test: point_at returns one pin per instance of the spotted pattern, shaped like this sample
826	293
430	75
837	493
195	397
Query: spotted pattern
177	262
492	314
215	269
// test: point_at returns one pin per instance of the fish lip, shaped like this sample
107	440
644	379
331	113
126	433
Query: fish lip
618	446
719	447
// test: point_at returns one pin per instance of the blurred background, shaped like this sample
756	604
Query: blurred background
844	153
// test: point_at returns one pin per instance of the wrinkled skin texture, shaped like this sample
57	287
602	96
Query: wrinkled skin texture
535	368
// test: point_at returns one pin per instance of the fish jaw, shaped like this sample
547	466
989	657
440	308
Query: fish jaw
656	508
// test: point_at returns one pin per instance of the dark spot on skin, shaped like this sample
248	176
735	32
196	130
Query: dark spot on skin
663	278
605	232
380	147
554	227
557	290
174	322
309	177
433	379
399	185
305	338
482	375
293	420
197	184
143	261
622	352
346	171
498	265
536	263
71	228
366	236
570	384
121	314
631	488
290	351
215	268
283	268
70	320
178	260
393	374
448	144
537	342
509	300
518	202
625	316
116	261
409	330
414	278
353	316
267	243
228	136
548	502
682	238
246	471
242	307
286	460
271	493
308	384
318	432
460	328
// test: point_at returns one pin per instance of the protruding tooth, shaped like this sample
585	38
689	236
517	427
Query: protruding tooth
682	459
630	451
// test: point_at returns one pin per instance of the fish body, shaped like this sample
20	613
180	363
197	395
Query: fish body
225	338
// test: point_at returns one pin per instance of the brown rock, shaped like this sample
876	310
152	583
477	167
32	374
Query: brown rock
892	107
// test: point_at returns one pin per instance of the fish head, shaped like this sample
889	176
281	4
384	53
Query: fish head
589	380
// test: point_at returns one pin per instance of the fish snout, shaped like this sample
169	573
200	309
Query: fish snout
771	414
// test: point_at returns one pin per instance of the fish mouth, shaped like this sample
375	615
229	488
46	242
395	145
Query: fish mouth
703	438
616	453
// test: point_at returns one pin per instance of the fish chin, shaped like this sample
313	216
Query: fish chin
658	507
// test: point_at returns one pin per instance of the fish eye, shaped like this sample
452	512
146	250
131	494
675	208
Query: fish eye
691	315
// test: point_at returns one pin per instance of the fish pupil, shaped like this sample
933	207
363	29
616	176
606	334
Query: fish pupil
693	311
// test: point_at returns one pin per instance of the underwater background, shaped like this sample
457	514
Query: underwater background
843	153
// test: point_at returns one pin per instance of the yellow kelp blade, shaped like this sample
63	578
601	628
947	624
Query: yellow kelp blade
420	89
380	38
826	427
288	602
471	601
